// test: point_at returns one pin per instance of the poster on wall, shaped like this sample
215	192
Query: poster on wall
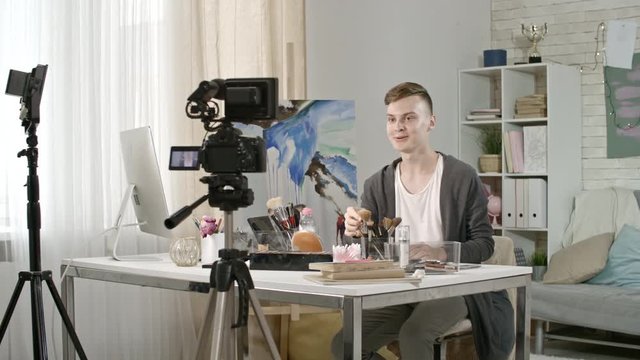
622	100
311	159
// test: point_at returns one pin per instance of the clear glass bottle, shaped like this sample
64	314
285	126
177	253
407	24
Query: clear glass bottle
307	223
402	238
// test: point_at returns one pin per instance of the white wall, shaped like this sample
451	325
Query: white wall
571	39
359	49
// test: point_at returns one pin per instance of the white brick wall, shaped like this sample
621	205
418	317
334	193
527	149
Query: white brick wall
572	28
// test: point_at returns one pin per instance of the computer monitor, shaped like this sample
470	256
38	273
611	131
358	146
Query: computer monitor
145	191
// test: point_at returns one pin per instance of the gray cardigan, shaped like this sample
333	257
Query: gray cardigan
463	208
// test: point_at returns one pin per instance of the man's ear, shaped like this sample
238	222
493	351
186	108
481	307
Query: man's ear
432	123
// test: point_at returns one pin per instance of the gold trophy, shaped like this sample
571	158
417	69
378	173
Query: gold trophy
534	34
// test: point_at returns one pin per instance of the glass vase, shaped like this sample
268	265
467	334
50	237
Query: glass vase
185	251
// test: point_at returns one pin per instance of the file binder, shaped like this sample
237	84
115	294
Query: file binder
537	204
509	203
522	216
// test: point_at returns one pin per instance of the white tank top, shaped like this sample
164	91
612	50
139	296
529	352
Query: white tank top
421	211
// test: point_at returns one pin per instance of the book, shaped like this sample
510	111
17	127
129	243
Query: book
396	272
535	148
482	117
486	111
351	266
507	151
517	154
529	116
324	281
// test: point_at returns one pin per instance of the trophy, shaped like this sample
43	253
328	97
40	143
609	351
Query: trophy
534	34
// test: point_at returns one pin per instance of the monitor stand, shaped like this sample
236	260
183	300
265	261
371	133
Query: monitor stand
118	225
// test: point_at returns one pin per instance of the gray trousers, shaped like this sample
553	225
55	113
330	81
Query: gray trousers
415	326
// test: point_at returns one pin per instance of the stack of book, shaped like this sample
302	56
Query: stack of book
531	106
375	269
484	114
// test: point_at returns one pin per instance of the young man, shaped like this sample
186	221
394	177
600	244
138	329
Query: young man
441	199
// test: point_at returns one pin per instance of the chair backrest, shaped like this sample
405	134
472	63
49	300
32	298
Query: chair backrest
503	252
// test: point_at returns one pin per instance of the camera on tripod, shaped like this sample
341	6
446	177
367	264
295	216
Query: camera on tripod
226	150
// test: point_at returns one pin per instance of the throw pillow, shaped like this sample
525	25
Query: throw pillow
623	265
580	261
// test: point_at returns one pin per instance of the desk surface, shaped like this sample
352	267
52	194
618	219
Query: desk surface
293	280
291	286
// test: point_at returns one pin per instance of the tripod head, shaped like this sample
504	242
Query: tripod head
29	87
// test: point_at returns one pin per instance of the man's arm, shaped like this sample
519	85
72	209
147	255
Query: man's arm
479	245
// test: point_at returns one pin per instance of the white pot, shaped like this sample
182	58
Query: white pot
209	247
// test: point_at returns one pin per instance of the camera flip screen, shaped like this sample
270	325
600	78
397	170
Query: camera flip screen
184	158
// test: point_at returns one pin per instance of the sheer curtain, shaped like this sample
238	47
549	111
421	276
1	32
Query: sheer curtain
116	65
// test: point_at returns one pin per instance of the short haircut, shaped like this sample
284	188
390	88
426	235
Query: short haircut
407	89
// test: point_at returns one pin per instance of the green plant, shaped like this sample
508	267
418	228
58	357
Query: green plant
538	258
490	139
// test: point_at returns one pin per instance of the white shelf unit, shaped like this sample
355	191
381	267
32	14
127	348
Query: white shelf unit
499	87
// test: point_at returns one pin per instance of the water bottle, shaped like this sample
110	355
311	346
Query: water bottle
306	220
402	237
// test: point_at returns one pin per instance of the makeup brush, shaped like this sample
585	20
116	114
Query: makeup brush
280	213
394	224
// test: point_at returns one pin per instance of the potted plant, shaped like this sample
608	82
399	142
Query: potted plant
490	141
538	262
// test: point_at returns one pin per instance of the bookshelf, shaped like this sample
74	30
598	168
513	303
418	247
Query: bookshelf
546	192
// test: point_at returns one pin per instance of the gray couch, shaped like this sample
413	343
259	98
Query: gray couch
609	308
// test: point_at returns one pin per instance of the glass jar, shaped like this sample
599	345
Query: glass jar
185	251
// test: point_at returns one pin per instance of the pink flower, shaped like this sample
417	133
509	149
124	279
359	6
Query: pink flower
208	226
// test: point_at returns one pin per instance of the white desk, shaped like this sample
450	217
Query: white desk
290	287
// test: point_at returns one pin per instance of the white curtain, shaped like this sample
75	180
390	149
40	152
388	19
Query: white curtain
116	65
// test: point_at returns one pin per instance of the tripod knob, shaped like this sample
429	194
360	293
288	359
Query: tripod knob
229	254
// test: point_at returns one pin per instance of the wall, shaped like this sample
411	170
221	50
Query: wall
359	49
572	29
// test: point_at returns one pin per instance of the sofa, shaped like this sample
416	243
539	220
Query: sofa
594	280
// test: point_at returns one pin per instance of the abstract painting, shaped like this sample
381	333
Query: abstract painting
311	159
622	100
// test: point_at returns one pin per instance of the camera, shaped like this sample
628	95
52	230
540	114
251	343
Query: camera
226	150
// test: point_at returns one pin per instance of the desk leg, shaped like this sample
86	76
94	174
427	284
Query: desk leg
67	294
352	328
523	322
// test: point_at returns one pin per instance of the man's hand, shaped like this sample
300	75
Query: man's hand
426	252
352	222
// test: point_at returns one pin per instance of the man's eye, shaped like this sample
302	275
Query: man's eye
390	119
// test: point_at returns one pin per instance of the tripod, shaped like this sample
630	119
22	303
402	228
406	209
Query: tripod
229	269
35	275
227	192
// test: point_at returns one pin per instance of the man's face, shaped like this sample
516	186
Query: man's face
409	121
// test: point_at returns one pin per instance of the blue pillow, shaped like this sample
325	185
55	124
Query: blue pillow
623	263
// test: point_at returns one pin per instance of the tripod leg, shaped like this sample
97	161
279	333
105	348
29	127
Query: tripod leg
11	307
204	346
219	324
63	313
37	319
264	327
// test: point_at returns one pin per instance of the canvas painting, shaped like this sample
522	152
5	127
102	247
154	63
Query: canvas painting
311	159
622	100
